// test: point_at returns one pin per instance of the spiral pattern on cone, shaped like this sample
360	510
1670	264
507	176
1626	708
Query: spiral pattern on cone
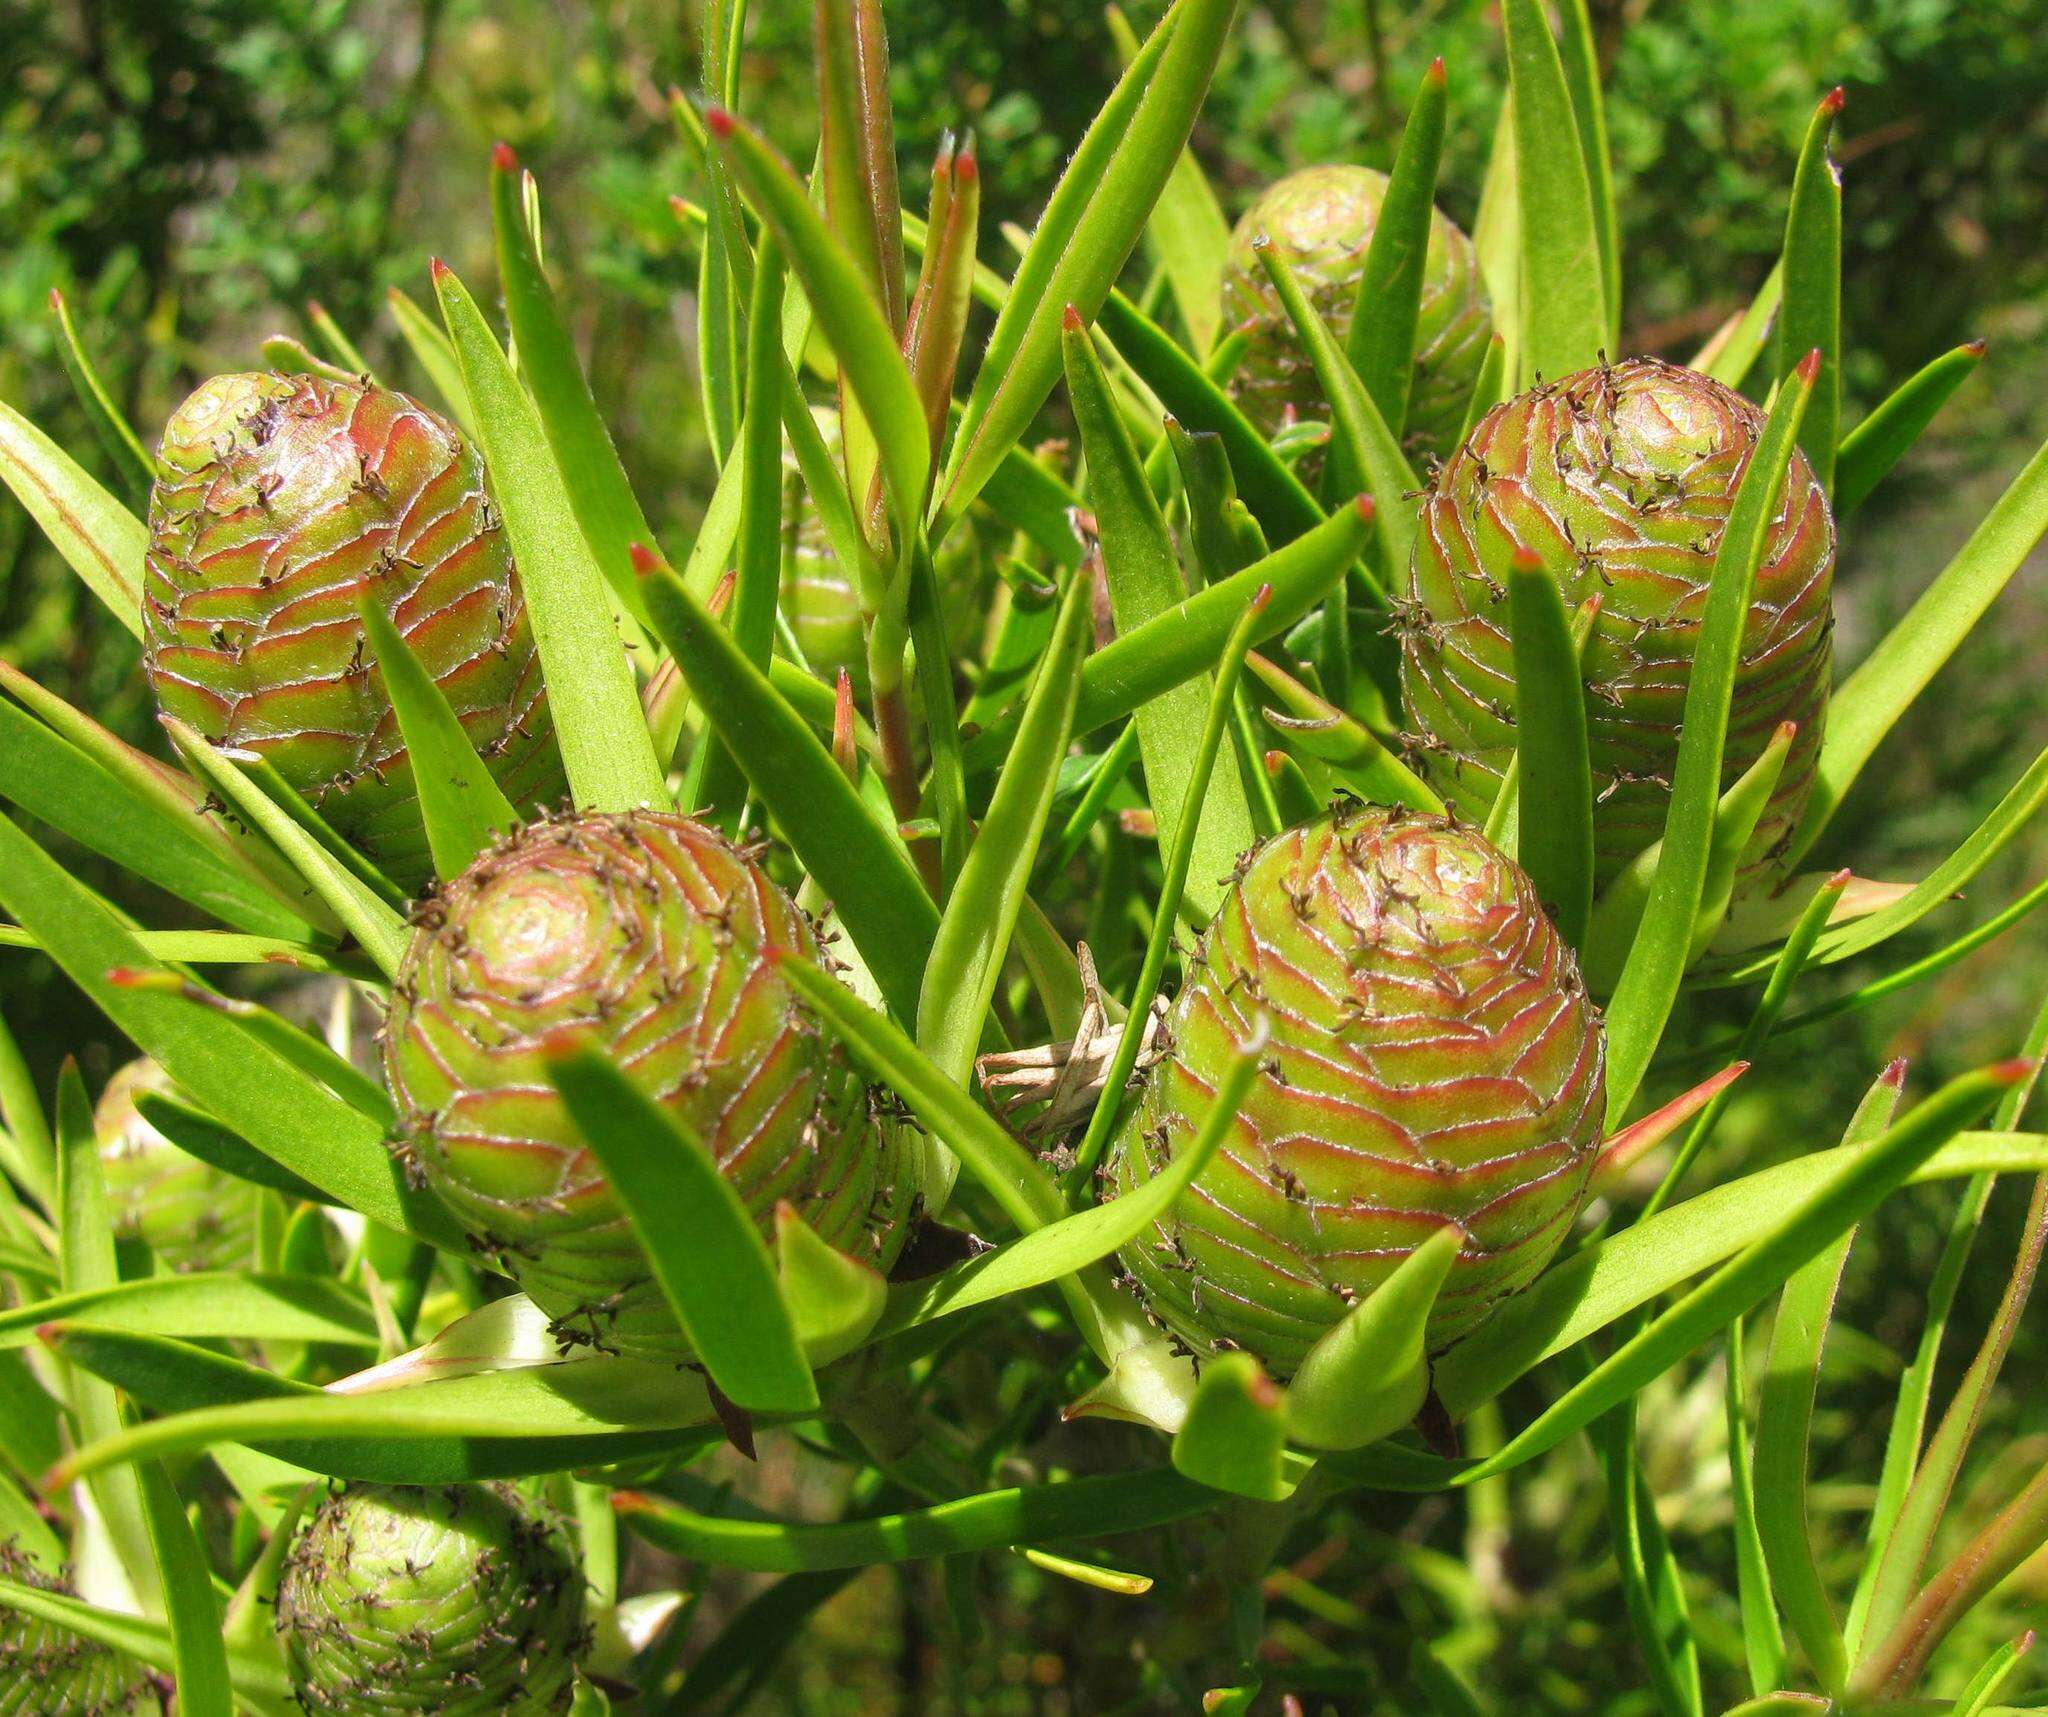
649	937
1619	481
1434	1059
1321	220
283	501
459	1601
48	1671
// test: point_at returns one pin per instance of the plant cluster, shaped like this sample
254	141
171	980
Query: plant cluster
1204	937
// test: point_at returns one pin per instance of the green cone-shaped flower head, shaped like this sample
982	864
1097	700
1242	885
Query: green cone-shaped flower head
1619	481
820	599
1434	1058
284	500
460	1601
1320	220
651	938
189	1214
48	1671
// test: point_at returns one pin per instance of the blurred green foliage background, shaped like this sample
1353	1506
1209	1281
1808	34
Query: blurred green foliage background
190	175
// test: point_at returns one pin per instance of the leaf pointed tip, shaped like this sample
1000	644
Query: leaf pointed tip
645	560
57	299
1894	1074
1832	103
439	270
1070	320
1976	348
1435	74
1809	367
2012	1070
718	122
1366	509
504	158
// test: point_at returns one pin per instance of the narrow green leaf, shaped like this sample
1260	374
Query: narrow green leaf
1868	704
834	1300
101	539
1997	1551
299	1123
1235	1438
464	809
1089	228
1270	488
1489	387
1367	1378
1380	341
1785	1420
86	1264
1763	1639
938	312
174	793
1649	981
1143	574
1363	448
1874	446
1619	912
1497	241
863	206
1189	638
53	780
1604	1282
1013	1179
864	872
374	924
1187	236
861	336
1580	54
2000	827
1844	1198
537	1418
1072	1243
974	932
199	1135
1024	1514
1651	1587
251	1306
124	447
434	352
1975	1699
1916	1384
600	493
704	1249
604	742
1733	351
331	335
1552	771
1159	943
199	1653
1564	319
1339	741
1811	317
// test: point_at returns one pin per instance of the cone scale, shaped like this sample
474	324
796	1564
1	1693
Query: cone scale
652	939
1616	482
1434	1059
282	502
